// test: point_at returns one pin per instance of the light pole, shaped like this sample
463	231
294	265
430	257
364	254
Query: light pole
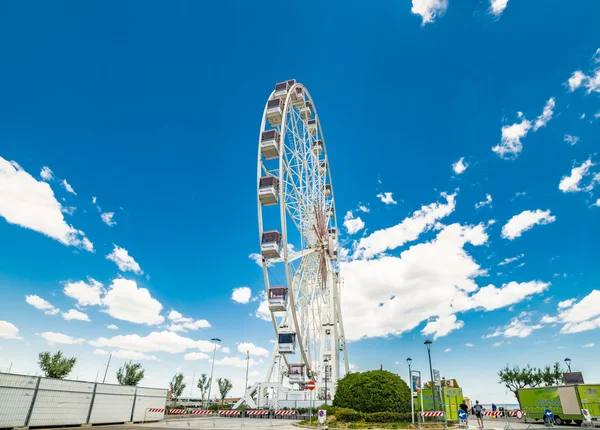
326	377
428	344
412	397
568	361
213	340
247	366
106	371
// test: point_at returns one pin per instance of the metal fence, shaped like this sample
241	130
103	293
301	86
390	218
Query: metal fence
37	401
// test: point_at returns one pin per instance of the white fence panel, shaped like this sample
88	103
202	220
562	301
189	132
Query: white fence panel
149	398
112	404
53	407
16	394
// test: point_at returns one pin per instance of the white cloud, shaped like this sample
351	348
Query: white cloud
447	349
353	225
41	304
112	327
570	184
498	6
469	345
510	145
54	338
429	10
125	301
195	356
497	344
107	218
69	210
571	140
257	258
85	294
364	209
593	82
408	230
100	352
124	261
241	295
576	80
442	326
237	362
183	324
460	166
546	115
525	221
8	330
486	202
164	341
566	303
263	311
547	319
252	349
132	355
226	350
94	200
73	314
46	174
510	260
589	345
387	198
31	204
68	187
582	316
597	203
518	327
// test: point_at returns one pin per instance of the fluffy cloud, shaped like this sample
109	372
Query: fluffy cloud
263	311
442	326
583	315
252	349
525	221
182	324
576	80
195	356
566	303
571	140
447	349
460	166
125	301
124	261
363	208
100	352
46	174
54	338
241	295
353	225
429	9
510	260
164	341
518	327
570	184
408	230
133	355
31	204
589	345
68	187
41	304
486	202
107	218
85	294
498	6
469	345
237	362
73	314
546	115
112	327
387	198
8	330
257	258
510	146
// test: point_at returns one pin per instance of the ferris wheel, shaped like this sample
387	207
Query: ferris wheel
299	247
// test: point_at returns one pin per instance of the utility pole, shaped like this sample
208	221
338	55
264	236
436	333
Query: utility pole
213	340
247	367
428	344
10	368
106	371
193	378
412	397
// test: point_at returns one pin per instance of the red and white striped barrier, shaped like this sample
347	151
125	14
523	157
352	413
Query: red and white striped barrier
176	411
155	410
518	414
202	412
229	412
285	412
490	414
257	412
433	414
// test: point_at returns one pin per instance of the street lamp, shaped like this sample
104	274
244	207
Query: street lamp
213	340
412	397
568	361
428	344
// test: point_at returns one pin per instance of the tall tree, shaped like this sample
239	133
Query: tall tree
203	385
55	366
515	378
130	374
225	387
552	375
177	386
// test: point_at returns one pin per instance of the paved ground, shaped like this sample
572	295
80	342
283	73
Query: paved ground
206	423
499	424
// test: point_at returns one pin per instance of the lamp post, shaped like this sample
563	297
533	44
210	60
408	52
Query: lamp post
213	340
568	361
428	344
247	366
410	384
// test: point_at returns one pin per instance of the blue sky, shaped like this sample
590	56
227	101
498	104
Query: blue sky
150	112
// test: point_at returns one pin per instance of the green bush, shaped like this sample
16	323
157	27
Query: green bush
373	391
348	416
388	417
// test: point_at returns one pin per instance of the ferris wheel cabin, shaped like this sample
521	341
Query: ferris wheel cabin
282	88
306	111
323	168
317	147
268	192
278	299
286	341
297	373
312	127
274	111
327	190
269	144
270	244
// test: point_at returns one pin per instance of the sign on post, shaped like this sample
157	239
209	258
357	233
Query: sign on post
322	416
310	385
462	415
436	378
416	385
586	415
519	414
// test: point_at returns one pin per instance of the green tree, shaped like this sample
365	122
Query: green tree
130	374
552	375
203	383
177	386
55	366
373	391
225	387
514	378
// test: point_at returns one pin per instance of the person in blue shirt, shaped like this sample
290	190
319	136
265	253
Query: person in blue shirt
479	413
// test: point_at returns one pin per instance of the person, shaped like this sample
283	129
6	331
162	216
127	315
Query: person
479	414
465	408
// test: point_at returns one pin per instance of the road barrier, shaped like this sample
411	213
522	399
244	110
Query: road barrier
229	412
155	410
249	413
202	412
176	411
433	414
285	412
490	414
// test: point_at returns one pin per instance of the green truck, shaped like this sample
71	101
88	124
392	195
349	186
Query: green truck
565	402
453	397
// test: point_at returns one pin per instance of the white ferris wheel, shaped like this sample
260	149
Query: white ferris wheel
299	247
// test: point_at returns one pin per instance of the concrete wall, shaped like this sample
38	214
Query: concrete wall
36	401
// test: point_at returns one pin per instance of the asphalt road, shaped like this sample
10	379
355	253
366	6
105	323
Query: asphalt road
207	423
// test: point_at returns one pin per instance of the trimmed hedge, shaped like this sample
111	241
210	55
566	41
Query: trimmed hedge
349	416
388	417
